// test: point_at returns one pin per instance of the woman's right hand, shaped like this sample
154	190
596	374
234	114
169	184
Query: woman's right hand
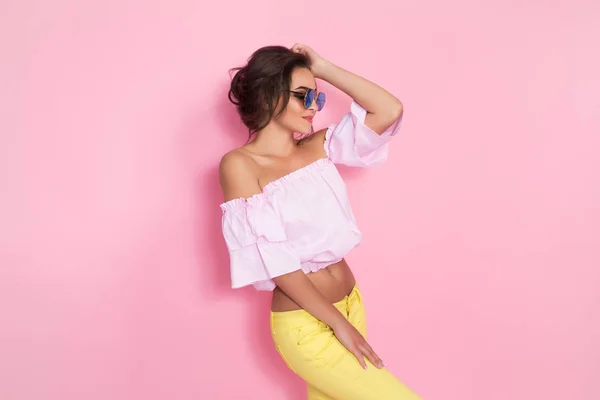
300	289
352	339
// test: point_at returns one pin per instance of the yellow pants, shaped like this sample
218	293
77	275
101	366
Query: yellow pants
310	349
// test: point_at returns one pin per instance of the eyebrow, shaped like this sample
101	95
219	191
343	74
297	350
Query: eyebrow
304	87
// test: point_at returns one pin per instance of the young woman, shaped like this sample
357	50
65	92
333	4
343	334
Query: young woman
287	221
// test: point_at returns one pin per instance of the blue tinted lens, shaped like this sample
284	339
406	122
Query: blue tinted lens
308	99
321	101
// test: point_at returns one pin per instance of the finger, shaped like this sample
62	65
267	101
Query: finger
299	48
381	363
360	358
370	354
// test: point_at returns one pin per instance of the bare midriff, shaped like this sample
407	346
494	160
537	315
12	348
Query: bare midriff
334	282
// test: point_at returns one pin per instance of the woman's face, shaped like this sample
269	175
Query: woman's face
296	117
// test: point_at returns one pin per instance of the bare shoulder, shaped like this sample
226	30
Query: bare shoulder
315	141
237	175
319	136
234	161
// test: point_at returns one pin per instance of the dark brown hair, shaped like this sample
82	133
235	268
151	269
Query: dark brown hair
256	87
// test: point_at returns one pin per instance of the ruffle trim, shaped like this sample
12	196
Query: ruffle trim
241	203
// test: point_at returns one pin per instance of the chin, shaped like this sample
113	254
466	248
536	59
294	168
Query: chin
302	133
307	130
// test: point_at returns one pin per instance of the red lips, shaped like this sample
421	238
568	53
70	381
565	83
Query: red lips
309	119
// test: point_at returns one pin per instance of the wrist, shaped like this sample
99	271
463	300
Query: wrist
338	322
321	68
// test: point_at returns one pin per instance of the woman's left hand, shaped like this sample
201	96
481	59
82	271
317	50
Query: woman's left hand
316	61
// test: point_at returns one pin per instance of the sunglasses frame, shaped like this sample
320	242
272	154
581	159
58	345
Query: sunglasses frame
304	96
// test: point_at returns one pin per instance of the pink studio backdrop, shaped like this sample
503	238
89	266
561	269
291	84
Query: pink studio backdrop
481	255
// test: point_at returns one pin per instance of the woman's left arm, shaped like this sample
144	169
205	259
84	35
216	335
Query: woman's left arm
383	108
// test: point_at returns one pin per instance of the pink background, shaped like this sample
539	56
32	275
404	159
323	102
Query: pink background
480	263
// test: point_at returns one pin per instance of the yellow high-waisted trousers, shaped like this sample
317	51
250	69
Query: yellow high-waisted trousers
310	349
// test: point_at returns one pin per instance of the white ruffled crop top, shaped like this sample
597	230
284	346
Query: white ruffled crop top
302	220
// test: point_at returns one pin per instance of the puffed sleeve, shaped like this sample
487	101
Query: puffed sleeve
257	243
351	142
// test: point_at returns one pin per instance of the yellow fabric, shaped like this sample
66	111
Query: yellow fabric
310	349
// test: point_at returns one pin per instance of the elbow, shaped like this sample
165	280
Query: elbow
393	113
396	110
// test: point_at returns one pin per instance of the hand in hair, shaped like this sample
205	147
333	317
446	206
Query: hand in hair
316	61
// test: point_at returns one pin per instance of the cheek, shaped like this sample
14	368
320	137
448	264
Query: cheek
293	111
294	107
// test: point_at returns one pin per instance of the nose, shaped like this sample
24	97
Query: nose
313	105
